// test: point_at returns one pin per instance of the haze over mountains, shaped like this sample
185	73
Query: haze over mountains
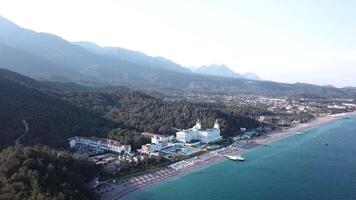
48	57
133	57
223	70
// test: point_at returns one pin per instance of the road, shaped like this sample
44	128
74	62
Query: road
18	140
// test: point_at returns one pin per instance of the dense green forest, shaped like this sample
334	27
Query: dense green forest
43	174
138	112
51	120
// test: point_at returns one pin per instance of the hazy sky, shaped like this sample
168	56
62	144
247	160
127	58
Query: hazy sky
310	41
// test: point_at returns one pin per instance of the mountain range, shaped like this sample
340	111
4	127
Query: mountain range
48	57
224	71
134	57
142	59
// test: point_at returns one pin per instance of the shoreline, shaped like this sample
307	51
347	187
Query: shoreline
280	134
122	188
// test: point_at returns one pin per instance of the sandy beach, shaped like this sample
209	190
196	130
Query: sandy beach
279	134
114	190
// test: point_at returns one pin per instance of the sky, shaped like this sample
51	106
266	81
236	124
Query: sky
311	41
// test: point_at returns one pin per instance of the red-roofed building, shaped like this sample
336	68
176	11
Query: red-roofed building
100	143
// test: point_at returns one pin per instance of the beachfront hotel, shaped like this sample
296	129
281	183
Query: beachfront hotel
100	143
155	138
196	134
158	142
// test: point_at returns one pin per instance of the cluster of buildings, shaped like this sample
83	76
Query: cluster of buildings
197	134
277	105
186	142
100	143
183	137
158	142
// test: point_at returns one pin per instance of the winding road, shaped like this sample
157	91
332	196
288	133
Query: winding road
18	140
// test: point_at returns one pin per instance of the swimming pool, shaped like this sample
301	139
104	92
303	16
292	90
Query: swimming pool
187	152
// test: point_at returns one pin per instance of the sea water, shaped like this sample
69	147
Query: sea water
320	164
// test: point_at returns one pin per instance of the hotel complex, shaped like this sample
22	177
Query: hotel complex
196	134
100	143
159	143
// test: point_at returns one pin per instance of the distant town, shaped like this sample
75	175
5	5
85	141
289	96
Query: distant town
286	111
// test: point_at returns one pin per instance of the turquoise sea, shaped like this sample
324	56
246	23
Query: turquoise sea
298	167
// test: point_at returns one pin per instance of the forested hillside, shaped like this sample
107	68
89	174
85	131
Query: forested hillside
44	174
51	120
54	116
140	112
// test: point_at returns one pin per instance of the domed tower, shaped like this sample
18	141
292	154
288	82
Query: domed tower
216	124
198	125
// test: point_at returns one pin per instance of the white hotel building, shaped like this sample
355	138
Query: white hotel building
100	143
195	133
158	142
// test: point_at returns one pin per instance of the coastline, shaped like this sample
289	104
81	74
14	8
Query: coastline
123	187
280	134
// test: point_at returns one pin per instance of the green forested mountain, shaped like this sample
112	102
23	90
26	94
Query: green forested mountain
25	81
40	173
54	115
51	120
48	86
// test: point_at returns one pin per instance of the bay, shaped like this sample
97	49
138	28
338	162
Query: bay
320	164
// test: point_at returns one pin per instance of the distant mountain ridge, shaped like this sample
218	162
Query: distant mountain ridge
223	70
48	57
136	57
218	70
251	76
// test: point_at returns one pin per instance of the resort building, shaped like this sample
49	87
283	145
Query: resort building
100	143
158	142
158	138
196	134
